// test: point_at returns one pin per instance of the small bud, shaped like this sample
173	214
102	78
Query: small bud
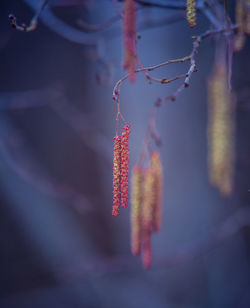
11	17
24	27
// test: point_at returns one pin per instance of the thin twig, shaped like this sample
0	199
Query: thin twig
173	96
97	27
33	23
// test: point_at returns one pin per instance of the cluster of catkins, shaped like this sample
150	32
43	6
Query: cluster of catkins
242	18
221	126
120	170
146	207
191	13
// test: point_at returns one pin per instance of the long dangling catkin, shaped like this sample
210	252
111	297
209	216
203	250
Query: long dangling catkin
116	176
247	12
136	207
156	165
148	199
129	38
124	165
240	38
191	13
221	125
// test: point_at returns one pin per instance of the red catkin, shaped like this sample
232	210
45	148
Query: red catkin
124	165
116	176
129	38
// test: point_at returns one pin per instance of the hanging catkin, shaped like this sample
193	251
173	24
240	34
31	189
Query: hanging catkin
156	165
220	131
242	18
147	249
129	38
240	38
136	207
148	199
247	18
191	13
116	176
124	165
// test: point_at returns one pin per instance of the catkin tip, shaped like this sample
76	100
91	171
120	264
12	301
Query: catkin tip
191	13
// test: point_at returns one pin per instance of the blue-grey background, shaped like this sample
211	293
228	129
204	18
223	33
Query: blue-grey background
59	245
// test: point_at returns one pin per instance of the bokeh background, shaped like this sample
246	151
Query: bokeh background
60	246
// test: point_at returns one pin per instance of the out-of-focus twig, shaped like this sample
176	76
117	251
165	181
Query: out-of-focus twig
14	150
81	37
219	235
61	28
34	21
84	127
28	99
177	5
97	27
54	98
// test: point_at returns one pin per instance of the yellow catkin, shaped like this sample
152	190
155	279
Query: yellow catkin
247	18
156	165
136	207
239	41
148	198
147	214
240	38
191	13
220	131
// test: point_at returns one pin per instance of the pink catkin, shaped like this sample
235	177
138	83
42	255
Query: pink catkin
124	165
129	37
147	249
116	176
